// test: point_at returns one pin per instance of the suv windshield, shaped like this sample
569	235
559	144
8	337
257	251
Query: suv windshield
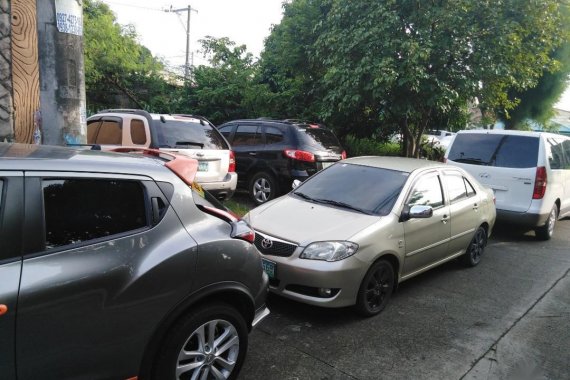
188	134
318	137
508	151
349	186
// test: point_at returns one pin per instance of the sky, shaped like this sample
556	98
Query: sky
245	22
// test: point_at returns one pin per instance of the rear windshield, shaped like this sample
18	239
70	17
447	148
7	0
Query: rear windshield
369	189
506	151
188	135
319	138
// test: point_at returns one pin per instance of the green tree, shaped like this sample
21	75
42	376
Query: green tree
226	89
536	103
116	65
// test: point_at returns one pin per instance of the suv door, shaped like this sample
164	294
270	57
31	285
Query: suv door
276	141
427	240
246	143
105	259
11	219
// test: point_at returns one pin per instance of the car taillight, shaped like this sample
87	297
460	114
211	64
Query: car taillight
232	166
343	155
539	183
299	155
242	230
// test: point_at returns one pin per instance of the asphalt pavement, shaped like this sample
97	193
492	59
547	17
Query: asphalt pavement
507	318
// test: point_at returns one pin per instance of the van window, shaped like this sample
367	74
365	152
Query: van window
508	151
138	133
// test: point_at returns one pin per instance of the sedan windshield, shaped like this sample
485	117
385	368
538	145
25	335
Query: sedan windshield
355	187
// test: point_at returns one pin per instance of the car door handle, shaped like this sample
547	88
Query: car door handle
252	154
445	219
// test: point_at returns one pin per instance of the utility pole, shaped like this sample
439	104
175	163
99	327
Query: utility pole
188	9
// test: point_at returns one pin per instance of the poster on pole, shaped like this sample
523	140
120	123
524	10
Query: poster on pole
69	16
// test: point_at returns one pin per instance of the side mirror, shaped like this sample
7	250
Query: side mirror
296	183
421	212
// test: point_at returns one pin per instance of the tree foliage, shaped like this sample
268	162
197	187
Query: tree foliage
116	65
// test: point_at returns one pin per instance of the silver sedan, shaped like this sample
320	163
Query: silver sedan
351	233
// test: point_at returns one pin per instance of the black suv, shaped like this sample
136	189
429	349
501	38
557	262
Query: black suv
271	154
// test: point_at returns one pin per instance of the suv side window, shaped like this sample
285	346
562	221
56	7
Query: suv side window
138	132
273	135
247	135
79	210
226	131
427	192
109	131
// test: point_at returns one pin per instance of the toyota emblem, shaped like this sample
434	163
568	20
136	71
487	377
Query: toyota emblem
266	243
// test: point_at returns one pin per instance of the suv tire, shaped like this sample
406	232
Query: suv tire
189	344
262	188
546	231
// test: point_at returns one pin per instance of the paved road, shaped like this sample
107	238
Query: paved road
508	318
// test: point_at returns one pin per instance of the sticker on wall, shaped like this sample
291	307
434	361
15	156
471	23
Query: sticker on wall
69	16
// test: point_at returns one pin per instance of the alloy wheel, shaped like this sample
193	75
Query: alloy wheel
210	352
478	245
262	190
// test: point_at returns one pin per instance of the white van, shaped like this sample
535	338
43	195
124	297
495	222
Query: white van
528	171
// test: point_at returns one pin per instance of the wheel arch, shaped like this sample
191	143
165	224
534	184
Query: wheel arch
393	259
233	294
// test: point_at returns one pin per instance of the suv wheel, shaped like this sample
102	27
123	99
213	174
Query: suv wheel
546	231
262	188
208	344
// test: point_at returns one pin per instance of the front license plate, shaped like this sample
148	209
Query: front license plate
202	166
269	267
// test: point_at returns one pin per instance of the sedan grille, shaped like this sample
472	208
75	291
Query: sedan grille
272	246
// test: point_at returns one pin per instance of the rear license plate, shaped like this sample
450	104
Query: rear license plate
269	267
202	166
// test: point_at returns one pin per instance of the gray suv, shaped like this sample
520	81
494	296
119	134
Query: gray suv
115	266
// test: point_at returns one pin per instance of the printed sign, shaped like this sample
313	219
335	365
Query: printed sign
69	17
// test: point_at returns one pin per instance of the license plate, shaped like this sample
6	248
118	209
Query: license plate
202	166
269	267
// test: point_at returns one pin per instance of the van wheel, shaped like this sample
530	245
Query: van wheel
376	289
262	188
546	231
210	343
476	248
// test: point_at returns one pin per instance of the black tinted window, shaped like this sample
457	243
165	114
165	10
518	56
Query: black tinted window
373	190
427	192
319	138
273	135
247	135
226	131
187	134
78	210
507	151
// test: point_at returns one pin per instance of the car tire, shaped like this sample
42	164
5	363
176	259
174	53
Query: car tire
190	348
262	188
476	247
376	289
546	231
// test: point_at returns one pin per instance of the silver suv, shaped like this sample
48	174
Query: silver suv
191	135
115	266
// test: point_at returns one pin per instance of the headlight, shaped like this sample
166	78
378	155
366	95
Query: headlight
329	250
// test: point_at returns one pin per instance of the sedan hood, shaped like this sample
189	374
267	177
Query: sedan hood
303	222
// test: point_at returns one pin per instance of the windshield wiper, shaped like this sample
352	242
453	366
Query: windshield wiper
469	160
341	204
303	195
190	143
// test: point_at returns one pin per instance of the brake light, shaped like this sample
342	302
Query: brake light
232	166
539	183
299	155
343	155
